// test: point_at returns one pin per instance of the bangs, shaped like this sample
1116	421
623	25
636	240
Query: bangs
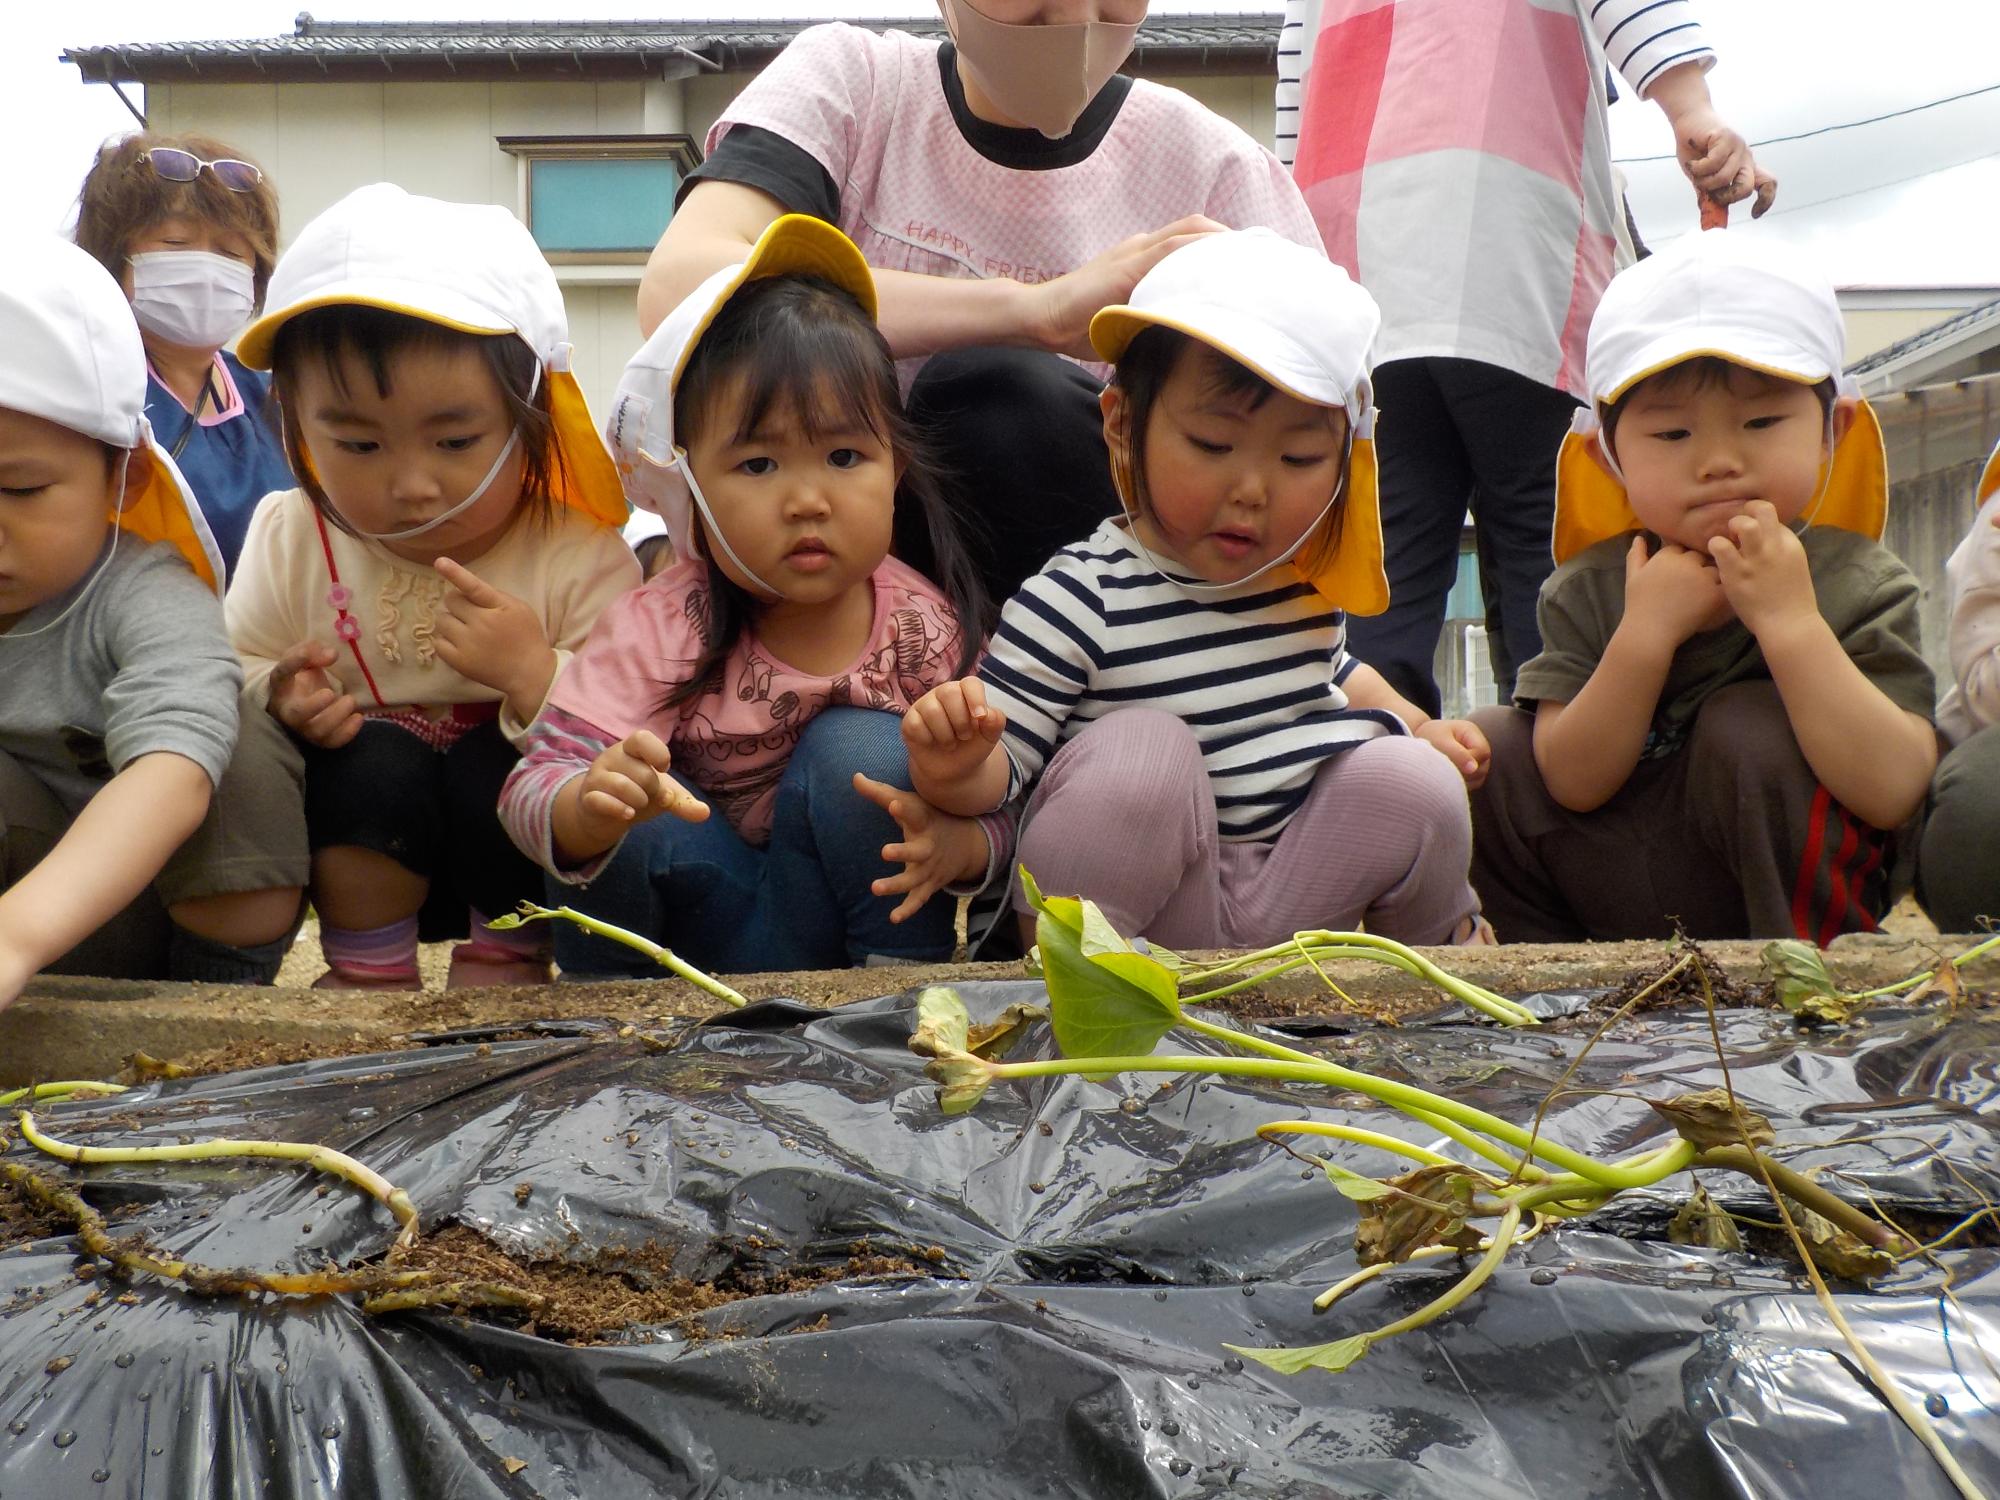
326	336
790	348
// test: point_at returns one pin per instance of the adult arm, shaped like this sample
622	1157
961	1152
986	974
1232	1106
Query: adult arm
112	851
718	222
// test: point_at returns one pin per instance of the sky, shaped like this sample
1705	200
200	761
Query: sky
1913	201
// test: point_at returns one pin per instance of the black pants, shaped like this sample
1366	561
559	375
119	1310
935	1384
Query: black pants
1020	444
1459	434
434	812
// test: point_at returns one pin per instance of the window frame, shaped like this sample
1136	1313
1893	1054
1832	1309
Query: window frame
528	150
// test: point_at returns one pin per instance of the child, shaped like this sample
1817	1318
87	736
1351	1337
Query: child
118	716
454	537
1208	764
757	676
1958	864
1730	711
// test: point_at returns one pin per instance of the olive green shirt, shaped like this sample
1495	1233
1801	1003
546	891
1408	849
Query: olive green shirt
1864	592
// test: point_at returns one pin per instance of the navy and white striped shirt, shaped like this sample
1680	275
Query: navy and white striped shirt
1255	671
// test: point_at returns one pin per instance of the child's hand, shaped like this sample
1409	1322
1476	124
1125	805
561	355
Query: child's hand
951	731
494	639
627	784
1673	594
937	849
305	700
1764	571
1463	744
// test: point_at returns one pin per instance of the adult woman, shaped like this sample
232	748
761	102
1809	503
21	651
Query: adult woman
190	230
1004	185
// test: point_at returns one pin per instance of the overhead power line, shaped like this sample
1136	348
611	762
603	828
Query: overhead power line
1894	114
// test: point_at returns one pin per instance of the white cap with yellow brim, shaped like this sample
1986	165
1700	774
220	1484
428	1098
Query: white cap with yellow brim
1989	478
1727	295
1294	317
70	353
650	459
472	267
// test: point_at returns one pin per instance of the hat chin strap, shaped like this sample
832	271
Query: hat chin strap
714	532
1587	423
478	491
1203	586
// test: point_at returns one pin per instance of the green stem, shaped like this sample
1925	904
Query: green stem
665	957
1396	1145
1963	959
53	1091
1398	1095
1312	947
1802	1190
1503	1238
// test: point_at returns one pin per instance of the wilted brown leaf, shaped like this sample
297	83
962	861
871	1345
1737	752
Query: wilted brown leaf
1701	1221
1838	1253
997	1038
1704	1117
1427	1207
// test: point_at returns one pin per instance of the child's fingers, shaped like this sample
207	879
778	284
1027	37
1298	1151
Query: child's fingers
908	809
1635	559
682	803
600	803
343	733
992	724
330	717
649	749
302	657
916	732
469	585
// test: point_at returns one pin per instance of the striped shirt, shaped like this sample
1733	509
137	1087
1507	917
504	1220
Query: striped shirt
1457	161
1255	672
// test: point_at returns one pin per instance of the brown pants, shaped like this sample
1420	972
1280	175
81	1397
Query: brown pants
1731	836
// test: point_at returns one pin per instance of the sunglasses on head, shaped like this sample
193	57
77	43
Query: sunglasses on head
176	165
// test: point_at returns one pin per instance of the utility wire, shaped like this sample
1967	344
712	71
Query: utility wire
1894	114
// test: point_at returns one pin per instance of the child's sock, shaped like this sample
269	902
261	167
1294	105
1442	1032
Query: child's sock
507	945
372	952
199	960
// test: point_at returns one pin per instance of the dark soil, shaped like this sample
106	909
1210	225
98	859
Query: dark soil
589	1301
1685	988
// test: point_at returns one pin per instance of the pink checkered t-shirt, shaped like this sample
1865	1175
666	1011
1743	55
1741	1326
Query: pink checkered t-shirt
915	196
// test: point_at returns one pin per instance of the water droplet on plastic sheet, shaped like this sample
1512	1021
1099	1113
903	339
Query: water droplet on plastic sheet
208	1367
1249	1291
64	1438
1708	1315
1178	1466
1542	1277
1194	1382
1160	1296
1430	1377
124	1361
18	1426
100	1475
1170	1428
1145	1424
1038	1187
1724	1280
1936	1405
1233	1365
330	1431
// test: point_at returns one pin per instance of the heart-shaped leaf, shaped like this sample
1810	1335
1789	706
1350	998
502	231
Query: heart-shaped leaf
1336	1356
941	1028
1354	1185
1802	984
1106	999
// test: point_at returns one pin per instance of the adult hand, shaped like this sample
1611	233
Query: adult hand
1672	594
1763	570
1064	307
937	849
306	700
493	638
1463	743
1718	161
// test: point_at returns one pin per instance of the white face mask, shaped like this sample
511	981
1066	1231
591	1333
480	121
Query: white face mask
193	298
478	491
1043	76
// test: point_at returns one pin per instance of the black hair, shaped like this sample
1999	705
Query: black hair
1700	374
374	336
1142	372
802	344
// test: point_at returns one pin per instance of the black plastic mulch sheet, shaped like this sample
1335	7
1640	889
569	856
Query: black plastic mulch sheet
1102	1242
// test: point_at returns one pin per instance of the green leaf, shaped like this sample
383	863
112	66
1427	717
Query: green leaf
941	1028
961	1081
1354	1185
1336	1356
1105	998
1802	984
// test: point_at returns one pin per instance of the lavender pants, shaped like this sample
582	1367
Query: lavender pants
1125	816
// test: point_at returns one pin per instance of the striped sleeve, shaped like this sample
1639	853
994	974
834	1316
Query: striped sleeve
559	747
1644	38
1301	20
1040	662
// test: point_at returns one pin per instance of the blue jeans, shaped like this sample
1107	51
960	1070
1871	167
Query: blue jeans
801	902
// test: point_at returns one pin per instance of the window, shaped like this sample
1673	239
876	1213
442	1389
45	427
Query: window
600	198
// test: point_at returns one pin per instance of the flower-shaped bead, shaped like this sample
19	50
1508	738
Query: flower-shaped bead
340	596
347	628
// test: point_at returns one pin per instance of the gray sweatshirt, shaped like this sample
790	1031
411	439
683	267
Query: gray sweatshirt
141	664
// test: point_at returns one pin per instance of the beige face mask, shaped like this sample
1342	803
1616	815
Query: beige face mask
1043	76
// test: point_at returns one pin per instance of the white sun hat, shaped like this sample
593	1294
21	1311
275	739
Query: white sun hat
70	353
1727	295
651	462
1298	320
471	267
